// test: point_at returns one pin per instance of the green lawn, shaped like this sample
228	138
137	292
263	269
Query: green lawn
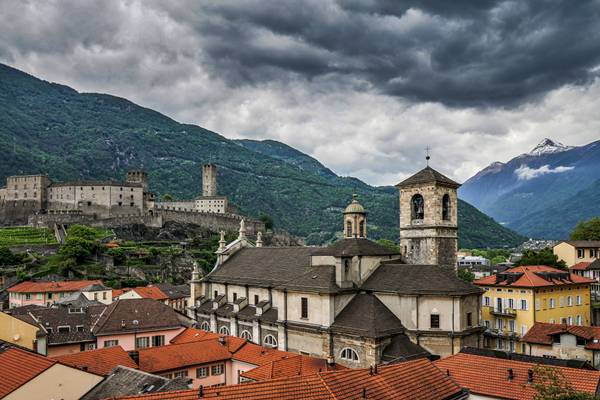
14	236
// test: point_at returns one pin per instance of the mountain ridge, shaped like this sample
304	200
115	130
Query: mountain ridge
51	128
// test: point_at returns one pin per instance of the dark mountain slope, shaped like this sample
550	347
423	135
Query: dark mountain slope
53	129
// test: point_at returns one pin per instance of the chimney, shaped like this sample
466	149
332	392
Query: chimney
371	370
222	340
135	356
511	375
200	391
364	393
122	324
375	369
447	372
530	376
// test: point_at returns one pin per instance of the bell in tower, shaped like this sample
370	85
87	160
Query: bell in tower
355	220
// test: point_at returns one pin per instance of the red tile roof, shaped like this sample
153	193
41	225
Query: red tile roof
42	287
150	293
531	277
100	362
18	367
295	365
193	335
581	266
258	355
488	376
410	380
541	333
175	356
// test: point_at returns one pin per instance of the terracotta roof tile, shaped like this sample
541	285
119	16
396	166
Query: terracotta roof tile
541	333
147	292
17	367
296	365
59	286
100	362
174	356
532	276
193	335
581	266
488	376
254	354
410	380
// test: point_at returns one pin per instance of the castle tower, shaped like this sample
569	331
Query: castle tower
138	176
209	180
429	219
355	220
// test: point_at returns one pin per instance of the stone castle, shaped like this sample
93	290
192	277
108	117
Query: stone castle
37	200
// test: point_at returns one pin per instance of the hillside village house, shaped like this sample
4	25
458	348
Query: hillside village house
354	302
47	293
564	342
576	251
22	333
519	297
175	296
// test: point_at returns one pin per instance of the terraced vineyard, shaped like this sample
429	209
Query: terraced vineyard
14	236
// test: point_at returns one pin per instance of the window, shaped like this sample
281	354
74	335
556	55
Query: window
180	374
581	341
348	229
580	253
523	330
537	304
205	326
511	325
142	342
246	335
103	295
202	372
552	304
446	207
561	301
486	323
523	304
158	340
255	299
270	340
349	354
64	329
224	330
304	308
469	319
216	294
499	324
486	301
578	320
49	295
27	296
570	321
96	296
79	328
417	207
234	296
593	253
569	301
434	321
511	304
217	369
111	343
578	300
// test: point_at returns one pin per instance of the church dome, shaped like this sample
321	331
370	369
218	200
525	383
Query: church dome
354	207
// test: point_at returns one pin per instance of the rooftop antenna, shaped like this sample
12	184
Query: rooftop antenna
427	156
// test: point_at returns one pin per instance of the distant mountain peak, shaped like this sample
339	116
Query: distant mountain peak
548	146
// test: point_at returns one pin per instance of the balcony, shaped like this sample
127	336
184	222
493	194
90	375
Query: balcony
499	333
503	312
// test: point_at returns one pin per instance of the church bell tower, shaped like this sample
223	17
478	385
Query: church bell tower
429	219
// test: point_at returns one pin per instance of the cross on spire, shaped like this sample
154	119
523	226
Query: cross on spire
427	156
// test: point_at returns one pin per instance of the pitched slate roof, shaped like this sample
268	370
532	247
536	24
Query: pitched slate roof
174	291
583	243
42	287
18	367
542	333
488	376
402	348
125	381
354	247
428	175
100	361
271	266
392	276
533	276
366	315
150	315
411	380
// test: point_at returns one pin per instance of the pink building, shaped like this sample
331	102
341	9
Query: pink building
138	324
46	293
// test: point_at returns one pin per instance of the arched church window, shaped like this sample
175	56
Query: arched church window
361	230
348	229
270	340
446	207
224	330
205	326
349	354
418	207
246	335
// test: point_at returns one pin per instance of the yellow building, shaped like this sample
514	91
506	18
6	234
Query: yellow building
21	333
577	251
519	297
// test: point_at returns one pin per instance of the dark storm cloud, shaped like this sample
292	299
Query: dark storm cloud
459	53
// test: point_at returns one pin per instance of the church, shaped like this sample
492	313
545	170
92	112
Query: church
353	302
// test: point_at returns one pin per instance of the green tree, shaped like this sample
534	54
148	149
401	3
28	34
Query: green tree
465	275
167	197
81	231
267	220
498	260
77	248
118	255
541	257
550	384
587	230
388	244
8	258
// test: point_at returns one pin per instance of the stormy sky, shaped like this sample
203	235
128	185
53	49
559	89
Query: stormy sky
362	85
